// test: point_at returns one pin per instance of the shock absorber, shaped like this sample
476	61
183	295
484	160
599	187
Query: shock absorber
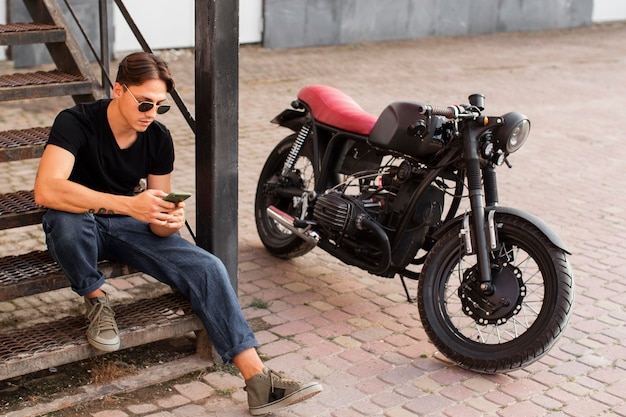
295	148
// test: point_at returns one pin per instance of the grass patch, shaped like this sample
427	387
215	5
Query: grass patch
261	304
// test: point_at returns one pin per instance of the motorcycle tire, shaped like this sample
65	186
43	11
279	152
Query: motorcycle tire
278	240
536	277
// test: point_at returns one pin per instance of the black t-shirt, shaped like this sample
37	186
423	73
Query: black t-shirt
100	164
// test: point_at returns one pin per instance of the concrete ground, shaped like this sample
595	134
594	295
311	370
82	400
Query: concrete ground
355	332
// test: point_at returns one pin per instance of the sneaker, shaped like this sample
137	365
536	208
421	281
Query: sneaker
102	332
268	392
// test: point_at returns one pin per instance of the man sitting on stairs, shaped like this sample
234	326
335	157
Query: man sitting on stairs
93	161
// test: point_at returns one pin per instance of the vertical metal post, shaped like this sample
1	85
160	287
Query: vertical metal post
104	45
217	100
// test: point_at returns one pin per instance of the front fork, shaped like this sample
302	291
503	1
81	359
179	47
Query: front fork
477	230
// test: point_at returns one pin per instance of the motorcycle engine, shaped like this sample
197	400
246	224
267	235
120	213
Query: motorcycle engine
341	214
357	222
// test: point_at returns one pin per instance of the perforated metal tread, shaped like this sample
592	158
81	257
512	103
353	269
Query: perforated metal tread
29	33
55	83
63	341
36	272
19	209
16	145
38	78
27	27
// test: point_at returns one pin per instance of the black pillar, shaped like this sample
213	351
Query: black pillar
217	77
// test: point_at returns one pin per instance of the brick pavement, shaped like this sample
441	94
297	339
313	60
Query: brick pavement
355	332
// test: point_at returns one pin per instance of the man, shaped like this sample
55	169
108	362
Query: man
96	156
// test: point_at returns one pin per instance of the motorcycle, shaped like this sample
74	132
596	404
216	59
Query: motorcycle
413	193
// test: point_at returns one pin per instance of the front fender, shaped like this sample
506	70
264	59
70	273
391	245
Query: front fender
531	218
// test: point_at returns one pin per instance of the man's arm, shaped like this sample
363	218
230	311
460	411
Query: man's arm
54	190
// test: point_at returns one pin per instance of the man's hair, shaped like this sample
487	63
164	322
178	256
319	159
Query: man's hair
139	67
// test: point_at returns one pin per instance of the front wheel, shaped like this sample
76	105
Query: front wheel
515	325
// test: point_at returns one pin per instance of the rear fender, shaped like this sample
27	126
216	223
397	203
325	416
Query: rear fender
291	119
457	222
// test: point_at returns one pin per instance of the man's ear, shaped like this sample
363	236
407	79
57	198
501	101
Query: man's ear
118	89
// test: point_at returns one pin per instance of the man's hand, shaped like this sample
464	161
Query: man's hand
164	217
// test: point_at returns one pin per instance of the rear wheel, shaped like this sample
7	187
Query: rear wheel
515	325
277	239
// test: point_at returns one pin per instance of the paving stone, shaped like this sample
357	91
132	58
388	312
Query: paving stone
141	408
374	385
366	408
399	412
462	410
523	389
368	368
427	404
292	328
585	407
279	347
457	393
172	401
224	381
110	413
371	334
161	414
190	410
523	409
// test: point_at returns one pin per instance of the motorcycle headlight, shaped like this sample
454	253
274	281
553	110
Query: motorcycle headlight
513	132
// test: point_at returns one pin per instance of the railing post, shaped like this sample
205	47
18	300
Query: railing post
104	46
217	101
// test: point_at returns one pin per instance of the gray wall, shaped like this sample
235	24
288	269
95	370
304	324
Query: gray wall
296	23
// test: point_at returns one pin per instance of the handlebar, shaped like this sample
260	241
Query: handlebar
448	112
473	109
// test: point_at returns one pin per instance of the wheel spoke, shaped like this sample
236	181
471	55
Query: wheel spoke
510	328
487	331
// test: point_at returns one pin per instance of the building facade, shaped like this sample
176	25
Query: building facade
169	24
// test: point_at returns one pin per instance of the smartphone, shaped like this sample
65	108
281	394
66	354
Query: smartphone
177	197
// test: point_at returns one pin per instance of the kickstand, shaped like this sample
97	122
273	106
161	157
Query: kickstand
406	291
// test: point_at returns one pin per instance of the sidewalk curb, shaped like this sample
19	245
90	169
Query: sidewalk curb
144	378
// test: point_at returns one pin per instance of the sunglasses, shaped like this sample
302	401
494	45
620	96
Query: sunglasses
145	106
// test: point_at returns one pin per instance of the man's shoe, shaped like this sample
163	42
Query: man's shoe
268	392
102	332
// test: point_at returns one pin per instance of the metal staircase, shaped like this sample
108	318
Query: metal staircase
141	321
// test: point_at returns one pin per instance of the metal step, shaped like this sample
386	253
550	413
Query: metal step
55	83
30	33
36	272
17	145
46	345
19	209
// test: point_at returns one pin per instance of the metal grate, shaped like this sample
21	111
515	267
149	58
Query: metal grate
17	202
26	137
38	78
26	27
19	344
14	269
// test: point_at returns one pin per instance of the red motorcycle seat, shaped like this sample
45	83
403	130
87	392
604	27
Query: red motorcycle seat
335	108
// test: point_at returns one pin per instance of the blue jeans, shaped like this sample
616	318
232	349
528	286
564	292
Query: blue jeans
78	241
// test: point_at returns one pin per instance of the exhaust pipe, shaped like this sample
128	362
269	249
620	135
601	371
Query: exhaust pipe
287	221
